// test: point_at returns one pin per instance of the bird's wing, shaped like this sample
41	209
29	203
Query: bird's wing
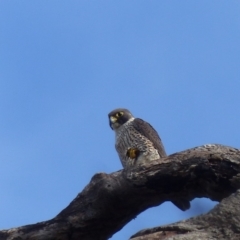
150	133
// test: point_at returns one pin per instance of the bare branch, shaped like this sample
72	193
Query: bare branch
222	222
110	201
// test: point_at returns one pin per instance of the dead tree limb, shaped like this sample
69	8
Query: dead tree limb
110	201
221	223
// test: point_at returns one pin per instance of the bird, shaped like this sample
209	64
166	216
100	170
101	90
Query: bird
137	143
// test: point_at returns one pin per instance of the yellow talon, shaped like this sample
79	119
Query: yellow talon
133	153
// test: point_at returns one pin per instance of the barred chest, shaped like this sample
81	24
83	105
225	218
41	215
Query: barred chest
128	137
123	133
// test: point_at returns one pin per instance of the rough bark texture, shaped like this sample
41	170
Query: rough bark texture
223	222
110	201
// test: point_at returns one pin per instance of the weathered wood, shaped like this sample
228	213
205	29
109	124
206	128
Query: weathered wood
222	223
110	201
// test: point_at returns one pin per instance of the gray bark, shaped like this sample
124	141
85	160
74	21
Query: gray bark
110	201
222	222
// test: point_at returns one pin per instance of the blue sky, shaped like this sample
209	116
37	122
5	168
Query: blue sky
65	64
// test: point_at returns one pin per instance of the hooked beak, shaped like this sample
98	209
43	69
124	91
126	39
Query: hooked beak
112	120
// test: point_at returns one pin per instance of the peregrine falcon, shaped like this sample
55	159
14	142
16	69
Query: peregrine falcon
137	142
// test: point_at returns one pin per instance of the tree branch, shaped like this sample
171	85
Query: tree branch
110	201
222	222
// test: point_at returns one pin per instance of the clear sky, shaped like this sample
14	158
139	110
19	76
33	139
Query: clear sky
65	64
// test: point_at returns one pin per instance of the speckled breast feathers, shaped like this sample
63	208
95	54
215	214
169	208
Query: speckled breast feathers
136	141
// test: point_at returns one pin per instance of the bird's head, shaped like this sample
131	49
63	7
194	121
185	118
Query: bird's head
118	117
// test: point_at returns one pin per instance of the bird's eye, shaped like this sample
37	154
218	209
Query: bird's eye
119	114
